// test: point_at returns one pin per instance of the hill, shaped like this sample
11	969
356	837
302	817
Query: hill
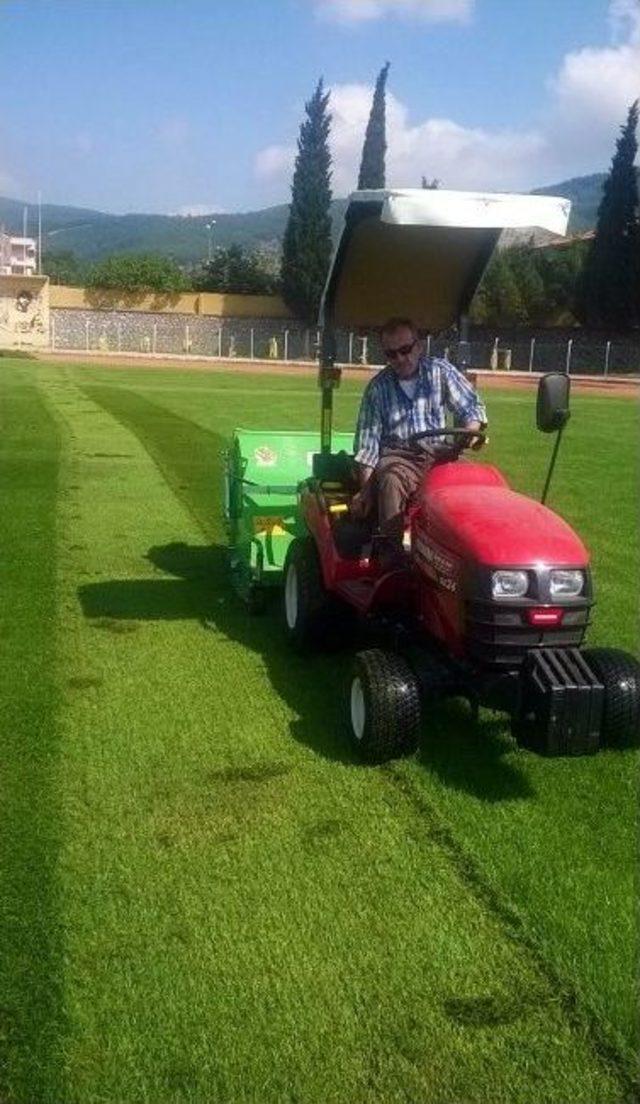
585	193
92	235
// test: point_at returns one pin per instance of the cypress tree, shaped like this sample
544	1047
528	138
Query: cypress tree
372	174
610	291
306	247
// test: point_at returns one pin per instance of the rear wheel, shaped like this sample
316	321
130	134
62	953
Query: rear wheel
384	706
619	673
313	617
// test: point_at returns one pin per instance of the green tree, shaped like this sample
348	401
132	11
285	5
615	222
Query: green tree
372	168
306	247
238	272
138	273
63	267
523	262
498	301
610	290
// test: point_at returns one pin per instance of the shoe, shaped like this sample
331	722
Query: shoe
388	556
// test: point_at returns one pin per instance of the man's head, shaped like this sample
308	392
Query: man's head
401	346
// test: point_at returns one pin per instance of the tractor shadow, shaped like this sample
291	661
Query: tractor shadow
465	756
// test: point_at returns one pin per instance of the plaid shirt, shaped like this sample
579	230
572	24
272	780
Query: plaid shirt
388	417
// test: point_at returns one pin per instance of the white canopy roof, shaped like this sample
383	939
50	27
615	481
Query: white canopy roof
420	253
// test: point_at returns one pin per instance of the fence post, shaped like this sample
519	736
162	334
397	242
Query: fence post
493	360
86	336
251	344
350	348
428	344
53	331
607	354
285	351
119	336
532	351
220	341
567	366
155	337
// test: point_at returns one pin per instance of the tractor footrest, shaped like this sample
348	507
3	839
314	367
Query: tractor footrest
566	699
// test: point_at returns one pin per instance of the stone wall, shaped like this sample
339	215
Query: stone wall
140	332
283	339
592	351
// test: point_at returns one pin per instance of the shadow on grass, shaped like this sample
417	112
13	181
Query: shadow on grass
463	755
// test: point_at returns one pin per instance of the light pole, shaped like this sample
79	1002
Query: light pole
209	227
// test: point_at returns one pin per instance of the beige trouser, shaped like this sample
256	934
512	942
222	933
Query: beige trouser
397	475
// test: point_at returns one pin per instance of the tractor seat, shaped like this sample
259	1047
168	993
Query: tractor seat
336	468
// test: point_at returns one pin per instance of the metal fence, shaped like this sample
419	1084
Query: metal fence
260	339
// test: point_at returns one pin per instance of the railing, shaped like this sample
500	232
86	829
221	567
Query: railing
235	339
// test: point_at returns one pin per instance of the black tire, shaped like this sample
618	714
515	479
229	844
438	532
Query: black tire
313	617
619	673
384	706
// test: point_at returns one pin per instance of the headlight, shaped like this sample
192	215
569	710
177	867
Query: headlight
509	584
565	584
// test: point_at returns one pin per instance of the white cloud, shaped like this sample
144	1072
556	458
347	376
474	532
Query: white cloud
365	11
275	161
624	20
592	92
587	101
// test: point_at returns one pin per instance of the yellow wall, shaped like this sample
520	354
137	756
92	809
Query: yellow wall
203	303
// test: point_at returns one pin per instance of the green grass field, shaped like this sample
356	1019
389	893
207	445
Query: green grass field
203	897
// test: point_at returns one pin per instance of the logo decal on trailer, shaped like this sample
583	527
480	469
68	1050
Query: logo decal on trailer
265	457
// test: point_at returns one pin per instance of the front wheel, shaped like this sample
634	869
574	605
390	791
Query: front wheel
384	706
619	673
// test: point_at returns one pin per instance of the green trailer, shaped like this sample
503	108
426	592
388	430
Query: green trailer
263	471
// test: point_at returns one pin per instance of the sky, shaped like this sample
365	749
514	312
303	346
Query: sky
194	106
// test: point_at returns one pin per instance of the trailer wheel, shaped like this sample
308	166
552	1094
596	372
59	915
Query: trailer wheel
619	673
313	617
384	706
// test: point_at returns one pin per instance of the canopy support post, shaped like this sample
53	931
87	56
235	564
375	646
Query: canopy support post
328	379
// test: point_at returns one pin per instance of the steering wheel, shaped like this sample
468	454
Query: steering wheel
463	436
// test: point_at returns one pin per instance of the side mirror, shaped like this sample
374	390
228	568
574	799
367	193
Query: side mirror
552	409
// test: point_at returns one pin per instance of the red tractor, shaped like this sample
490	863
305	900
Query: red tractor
494	599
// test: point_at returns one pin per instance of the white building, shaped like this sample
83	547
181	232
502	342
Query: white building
18	256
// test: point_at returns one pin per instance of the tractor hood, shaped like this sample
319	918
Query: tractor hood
494	526
421	253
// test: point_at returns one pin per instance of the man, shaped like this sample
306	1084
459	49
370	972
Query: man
411	394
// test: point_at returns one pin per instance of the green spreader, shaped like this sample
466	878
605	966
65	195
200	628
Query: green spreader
263	472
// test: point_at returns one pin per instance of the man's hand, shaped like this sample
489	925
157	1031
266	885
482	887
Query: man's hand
475	443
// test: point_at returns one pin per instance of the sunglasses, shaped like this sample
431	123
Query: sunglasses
402	350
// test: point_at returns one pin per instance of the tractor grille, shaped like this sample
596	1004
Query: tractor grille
501	636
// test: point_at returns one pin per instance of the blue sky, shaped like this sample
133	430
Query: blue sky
167	106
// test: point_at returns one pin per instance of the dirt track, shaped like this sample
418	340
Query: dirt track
618	387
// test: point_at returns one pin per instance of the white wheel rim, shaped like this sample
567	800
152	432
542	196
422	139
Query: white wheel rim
291	597
358	709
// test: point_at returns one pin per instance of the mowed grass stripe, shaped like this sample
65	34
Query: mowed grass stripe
255	916
31	944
